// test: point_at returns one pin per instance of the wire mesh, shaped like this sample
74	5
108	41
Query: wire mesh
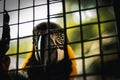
90	26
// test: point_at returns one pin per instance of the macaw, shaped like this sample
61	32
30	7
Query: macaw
48	59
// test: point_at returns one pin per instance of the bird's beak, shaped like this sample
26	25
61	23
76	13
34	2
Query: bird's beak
37	53
41	45
39	42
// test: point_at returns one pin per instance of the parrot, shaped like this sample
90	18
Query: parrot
48	59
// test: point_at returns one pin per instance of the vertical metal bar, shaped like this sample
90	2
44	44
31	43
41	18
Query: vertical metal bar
117	14
48	21
33	19
33	27
4	5
65	27
100	41
33	22
116	6
34	35
82	41
17	54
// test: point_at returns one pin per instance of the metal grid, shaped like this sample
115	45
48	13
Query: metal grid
82	57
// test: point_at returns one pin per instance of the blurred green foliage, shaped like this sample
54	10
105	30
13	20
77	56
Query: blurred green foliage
100	25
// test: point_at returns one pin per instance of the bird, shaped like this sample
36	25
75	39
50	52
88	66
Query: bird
50	58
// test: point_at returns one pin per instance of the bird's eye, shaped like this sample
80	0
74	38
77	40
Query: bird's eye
60	38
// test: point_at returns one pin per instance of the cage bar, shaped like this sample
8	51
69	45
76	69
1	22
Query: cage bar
91	26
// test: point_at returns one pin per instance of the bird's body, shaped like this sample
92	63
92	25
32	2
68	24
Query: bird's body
50	59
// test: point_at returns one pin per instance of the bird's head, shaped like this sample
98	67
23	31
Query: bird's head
49	42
